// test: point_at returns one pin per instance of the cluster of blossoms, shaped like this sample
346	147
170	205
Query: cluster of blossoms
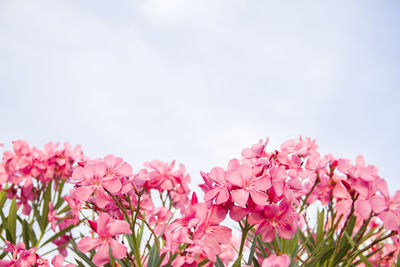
26	173
27	170
147	218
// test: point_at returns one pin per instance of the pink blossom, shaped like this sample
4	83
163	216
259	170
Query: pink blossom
52	217
107	229
273	217
387	208
220	190
93	179
58	261
276	261
247	184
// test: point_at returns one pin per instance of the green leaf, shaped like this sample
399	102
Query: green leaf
60	233
255	262
12	221
351	241
60	200
63	210
45	209
25	235
203	262
3	198
342	252
219	263
261	246
2	255
327	255
32	236
130	241
153	256
83	256
365	260
80	264
238	262
398	260
252	250
124	263
349	229
140	234
320	226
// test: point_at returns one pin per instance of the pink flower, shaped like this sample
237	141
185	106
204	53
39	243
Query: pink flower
276	261
58	261
107	229
256	150
52	217
387	208
248	185
116	167
366	173
93	178
273	217
220	190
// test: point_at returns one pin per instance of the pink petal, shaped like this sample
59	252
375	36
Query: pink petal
258	197
295	184
390	220
255	218
270	211
363	207
86	244
112	185
99	169
268	233
240	196
235	178
277	185
285	230
211	194
221	234
262	183
344	166
83	193
223	196
102	255
125	170
101	198
340	191
378	204
102	222
383	188
119	227
218	175
217	214
118	250
237	213
343	206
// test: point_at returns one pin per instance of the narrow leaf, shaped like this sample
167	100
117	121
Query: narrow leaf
12	221
219	263
61	233
153	256
45	209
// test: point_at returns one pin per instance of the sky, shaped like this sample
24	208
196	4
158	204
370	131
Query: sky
198	81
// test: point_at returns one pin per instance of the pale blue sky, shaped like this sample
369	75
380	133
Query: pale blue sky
197	81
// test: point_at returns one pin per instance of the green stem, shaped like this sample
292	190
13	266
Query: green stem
135	245
245	229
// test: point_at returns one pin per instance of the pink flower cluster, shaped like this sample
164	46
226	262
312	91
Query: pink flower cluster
22	257
199	228
266	192
99	183
25	167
